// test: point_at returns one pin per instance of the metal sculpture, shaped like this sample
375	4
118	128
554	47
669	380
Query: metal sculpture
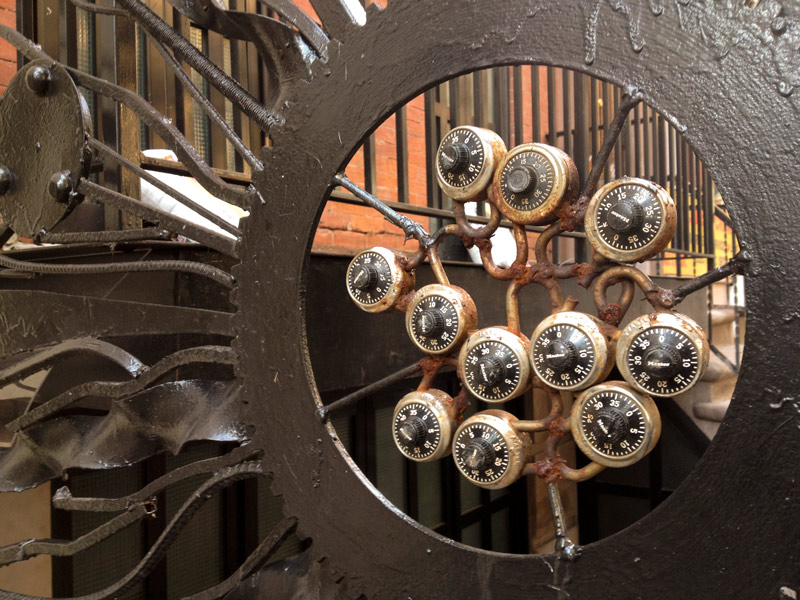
723	73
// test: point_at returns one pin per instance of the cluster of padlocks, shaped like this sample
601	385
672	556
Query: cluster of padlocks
658	354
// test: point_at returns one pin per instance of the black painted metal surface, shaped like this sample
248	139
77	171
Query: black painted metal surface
723	73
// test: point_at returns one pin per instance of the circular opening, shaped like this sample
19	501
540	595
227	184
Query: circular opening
365	382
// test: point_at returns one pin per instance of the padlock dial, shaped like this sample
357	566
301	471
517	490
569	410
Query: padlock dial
630	220
614	425
440	317
534	180
376	279
493	364
662	354
489	451
423	425
569	351
466	160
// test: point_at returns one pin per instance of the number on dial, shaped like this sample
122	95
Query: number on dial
563	356
663	360
613	423
416	431
481	453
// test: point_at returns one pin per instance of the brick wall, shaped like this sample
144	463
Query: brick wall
8	56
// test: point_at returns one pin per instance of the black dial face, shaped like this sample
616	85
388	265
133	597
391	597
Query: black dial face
663	360
461	158
563	355
481	453
369	278
629	217
434	323
613	423
527	181
492	371
416	431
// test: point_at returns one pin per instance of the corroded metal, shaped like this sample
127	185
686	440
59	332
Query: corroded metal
746	137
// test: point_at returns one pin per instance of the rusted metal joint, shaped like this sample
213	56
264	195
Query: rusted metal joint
610	313
548	468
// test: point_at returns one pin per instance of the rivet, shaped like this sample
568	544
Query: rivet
60	186
38	79
6	179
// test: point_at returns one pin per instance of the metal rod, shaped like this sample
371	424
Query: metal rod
229	87
208	108
64	500
350	400
115	390
181	266
111	237
735	266
111	155
630	99
411	228
100	10
160	125
198	233
565	547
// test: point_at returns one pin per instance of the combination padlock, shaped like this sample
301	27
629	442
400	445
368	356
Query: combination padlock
613	425
440	317
570	352
376	279
662	354
533	181
466	161
489	451
423	425
493	364
630	220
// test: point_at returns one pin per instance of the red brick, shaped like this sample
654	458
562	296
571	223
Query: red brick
323	237
373	223
350	239
7	51
336	220
7	71
394	242
8	18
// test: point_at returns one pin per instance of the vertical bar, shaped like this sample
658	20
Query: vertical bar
68	49
519	123
684	175
536	104
552	133
478	98
502	104
638	168
580	153
411	489
595	119
567	109
622	140
26	24
656	476
647	151
662	154
61	529
218	143
370	175
401	147
431	145
606	123
486	519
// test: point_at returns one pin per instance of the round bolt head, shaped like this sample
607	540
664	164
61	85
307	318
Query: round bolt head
38	79
60	186
6	179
